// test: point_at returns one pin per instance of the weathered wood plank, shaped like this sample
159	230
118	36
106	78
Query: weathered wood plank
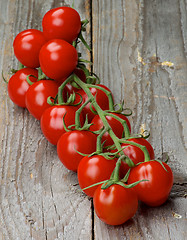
139	50
148	223
132	40
39	198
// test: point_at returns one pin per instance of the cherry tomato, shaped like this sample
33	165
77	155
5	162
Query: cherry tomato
80	73
58	59
135	153
101	99
18	85
27	45
116	204
73	141
69	88
37	94
155	191
61	23
52	121
92	170
116	126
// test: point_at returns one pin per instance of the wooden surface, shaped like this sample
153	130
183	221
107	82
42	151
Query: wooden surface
139	51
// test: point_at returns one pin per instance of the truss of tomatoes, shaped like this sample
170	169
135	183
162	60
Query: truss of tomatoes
72	120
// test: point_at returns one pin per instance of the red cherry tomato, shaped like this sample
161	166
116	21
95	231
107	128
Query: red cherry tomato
27	45
80	73
73	141
155	191
116	126
52	121
18	85
37	94
135	153
61	23
58	59
116	204
101	99
92	170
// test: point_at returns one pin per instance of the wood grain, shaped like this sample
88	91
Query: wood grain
139	51
39	197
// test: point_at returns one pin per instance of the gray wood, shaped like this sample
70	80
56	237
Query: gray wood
139	51
39	198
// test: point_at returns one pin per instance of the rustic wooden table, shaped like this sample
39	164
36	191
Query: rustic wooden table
140	52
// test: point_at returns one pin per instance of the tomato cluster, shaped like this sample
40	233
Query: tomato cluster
78	114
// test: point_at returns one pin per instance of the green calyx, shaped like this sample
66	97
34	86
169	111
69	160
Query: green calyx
80	36
114	178
41	76
121	109
144	135
84	41
91	78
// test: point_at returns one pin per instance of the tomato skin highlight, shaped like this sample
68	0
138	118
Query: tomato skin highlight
155	191
73	141
27	45
101	99
116	204
18	85
52	121
58	59
92	170
37	94
61	23
116	126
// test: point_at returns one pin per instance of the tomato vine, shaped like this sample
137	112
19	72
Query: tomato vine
55	85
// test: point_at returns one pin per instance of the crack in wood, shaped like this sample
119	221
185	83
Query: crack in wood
93	222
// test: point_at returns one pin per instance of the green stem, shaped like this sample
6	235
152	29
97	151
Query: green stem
96	77
61	88
100	112
13	71
115	175
73	4
78	112
86	71
84	22
28	80
41	75
143	148
123	122
83	61
74	44
108	93
21	66
84	42
99	140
